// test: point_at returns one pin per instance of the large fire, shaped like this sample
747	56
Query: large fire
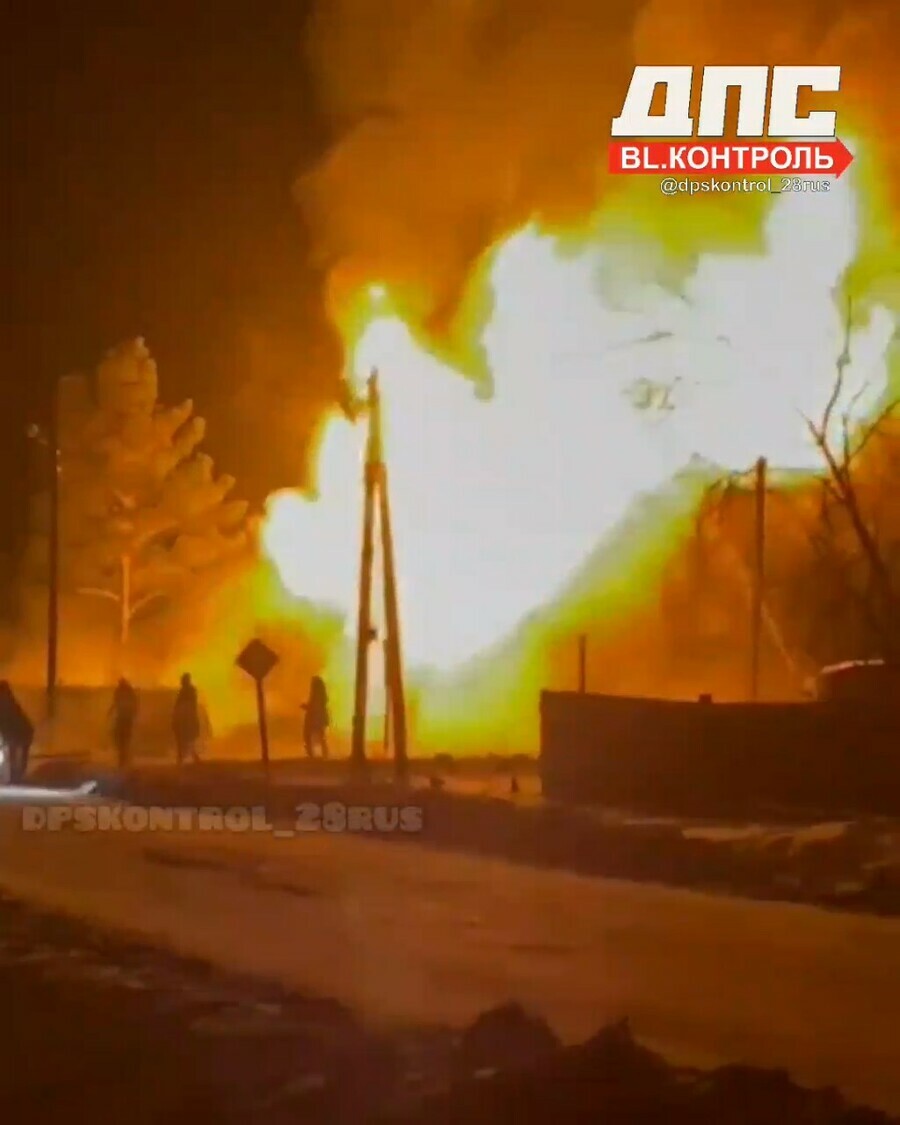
606	383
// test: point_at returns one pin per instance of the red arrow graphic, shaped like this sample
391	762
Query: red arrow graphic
730	158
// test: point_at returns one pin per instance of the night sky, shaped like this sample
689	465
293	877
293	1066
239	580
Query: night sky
149	154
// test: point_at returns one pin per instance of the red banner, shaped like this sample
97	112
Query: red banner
729	158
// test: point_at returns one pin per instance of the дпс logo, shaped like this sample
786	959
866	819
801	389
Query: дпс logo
767	108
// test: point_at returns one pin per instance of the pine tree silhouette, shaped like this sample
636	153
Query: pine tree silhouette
141	510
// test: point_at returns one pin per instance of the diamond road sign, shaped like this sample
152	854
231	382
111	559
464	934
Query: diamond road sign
257	660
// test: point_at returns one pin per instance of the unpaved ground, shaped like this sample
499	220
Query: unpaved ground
408	935
99	1029
96	1028
849	865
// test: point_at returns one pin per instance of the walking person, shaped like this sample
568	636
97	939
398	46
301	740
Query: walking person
186	724
17	734
316	719
123	712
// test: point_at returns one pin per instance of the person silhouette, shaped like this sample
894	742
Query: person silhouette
186	721
17	732
316	718
123	712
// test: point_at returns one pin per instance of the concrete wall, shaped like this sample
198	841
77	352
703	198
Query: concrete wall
669	756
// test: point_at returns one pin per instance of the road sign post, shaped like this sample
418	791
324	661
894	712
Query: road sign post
258	660
263	724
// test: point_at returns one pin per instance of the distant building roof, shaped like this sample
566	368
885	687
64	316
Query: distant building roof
850	665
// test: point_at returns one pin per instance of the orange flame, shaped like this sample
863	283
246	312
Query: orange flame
498	504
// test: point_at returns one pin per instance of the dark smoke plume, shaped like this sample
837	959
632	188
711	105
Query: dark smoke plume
456	121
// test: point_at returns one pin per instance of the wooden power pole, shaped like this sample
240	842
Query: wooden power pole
376	502
53	456
759	575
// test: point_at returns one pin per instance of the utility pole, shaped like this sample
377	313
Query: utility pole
395	704
48	438
582	664
53	455
759	575
364	632
386	748
376	500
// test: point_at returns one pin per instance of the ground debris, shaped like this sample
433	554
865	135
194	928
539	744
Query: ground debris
613	1080
503	1038
195	1043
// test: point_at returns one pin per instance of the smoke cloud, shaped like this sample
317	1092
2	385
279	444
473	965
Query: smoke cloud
457	121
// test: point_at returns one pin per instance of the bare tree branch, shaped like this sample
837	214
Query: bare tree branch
842	362
880	598
94	592
872	428
141	603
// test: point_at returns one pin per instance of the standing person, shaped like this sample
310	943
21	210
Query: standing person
316	720
17	733
186	721
123	713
